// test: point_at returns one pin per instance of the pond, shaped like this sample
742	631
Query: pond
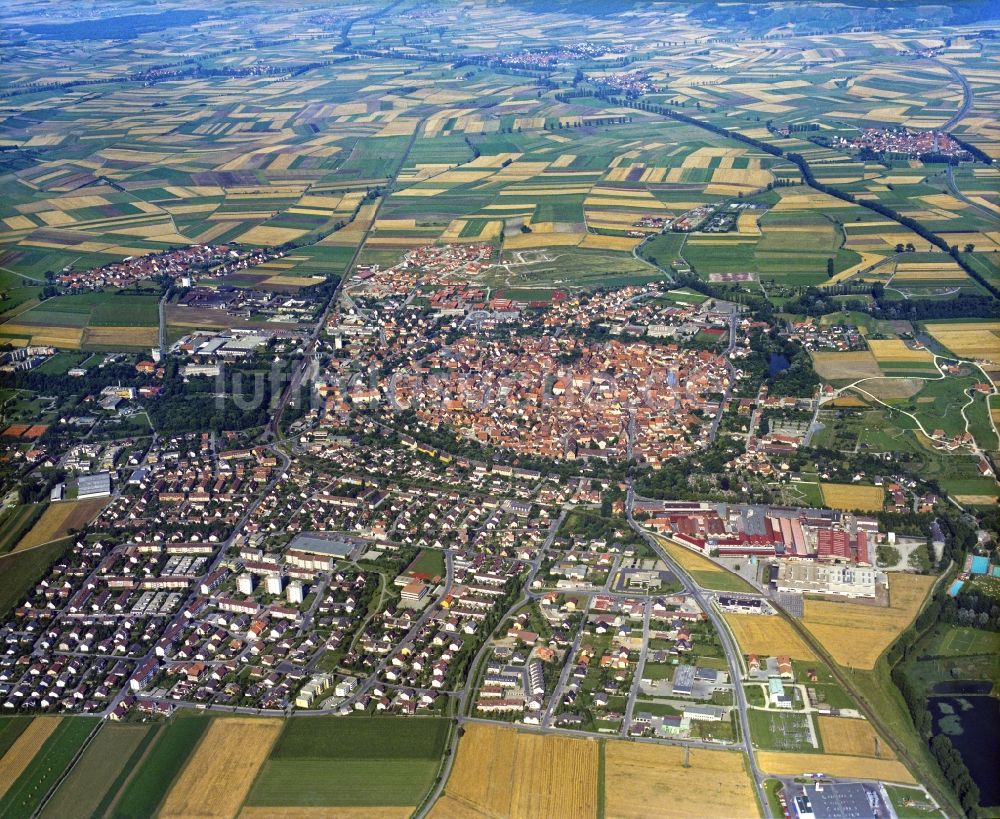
124	27
777	363
973	724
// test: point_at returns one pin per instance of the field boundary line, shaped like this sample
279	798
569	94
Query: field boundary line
68	770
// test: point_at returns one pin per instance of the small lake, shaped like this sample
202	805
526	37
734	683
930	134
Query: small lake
124	27
963	687
973	724
777	363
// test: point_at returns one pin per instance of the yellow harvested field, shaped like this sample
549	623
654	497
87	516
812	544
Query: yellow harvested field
852	401
339	812
687	559
849	496
520	241
852	737
969	339
58	519
767	637
893	349
262	235
599	242
808	201
292	281
867	260
857	767
856	634
651	780
504	772
120	336
223	765
845	366
742	177
20	754
977	500
65	337
887	388
746	223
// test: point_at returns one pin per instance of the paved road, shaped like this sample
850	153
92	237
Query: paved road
464	702
733	656
957	193
161	339
274	428
633	693
567	669
966	94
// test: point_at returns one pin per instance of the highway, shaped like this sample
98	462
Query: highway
733	655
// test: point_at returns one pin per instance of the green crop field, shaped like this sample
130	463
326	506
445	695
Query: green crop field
719	581
10	729
84	788
25	795
377	737
153	778
21	570
328	761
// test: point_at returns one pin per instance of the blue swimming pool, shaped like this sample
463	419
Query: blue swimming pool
956	587
980	565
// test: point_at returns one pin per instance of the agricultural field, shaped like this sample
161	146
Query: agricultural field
973	340
23	569
503	772
48	751
657	779
845	367
856	634
706	573
60	518
93	777
149	783
790	764
851	737
224	764
767	636
22	750
99	320
849	497
383	762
